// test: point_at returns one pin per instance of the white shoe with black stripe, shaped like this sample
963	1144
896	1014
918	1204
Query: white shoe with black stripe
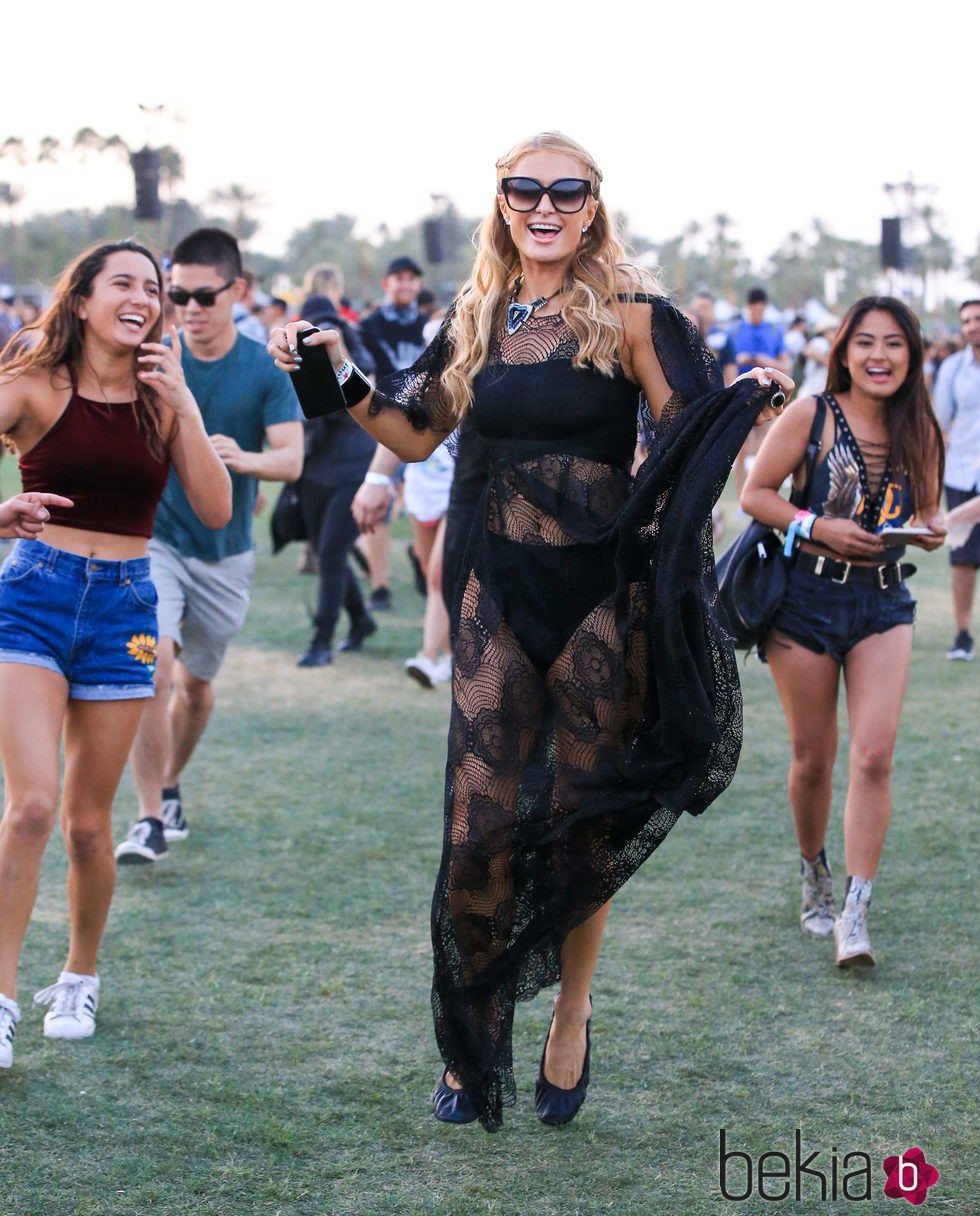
145	844
73	1000
9	1017
172	815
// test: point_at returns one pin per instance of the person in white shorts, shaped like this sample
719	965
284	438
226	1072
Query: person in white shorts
427	486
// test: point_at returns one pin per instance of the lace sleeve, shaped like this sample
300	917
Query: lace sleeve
417	390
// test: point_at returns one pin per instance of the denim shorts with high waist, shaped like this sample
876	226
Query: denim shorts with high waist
92	621
831	618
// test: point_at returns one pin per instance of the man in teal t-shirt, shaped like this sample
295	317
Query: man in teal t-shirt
203	576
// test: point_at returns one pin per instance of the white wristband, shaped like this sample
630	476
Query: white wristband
346	369
377	479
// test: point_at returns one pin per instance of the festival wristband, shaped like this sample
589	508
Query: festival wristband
353	383
377	479
799	529
806	524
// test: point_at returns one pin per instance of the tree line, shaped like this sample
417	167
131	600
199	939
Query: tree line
813	264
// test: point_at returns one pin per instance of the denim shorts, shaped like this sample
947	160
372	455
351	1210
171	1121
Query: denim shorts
831	618
92	621
968	554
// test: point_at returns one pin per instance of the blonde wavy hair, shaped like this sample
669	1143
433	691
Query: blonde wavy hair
601	270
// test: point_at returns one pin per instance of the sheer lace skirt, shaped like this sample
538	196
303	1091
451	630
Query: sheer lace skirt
543	824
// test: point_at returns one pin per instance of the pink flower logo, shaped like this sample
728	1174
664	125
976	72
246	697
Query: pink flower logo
909	1176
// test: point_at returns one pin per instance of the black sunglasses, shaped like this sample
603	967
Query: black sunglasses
204	296
568	194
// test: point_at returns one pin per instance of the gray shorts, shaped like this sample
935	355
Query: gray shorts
202	604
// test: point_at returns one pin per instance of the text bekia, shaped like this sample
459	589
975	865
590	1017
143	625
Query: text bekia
776	1175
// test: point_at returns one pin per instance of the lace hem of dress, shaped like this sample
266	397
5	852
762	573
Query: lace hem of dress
595	699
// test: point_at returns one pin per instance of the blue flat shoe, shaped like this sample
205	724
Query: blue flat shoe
556	1106
451	1105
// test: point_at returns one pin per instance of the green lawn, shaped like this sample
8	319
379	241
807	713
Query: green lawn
265	1042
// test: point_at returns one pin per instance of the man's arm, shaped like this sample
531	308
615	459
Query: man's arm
943	402
281	460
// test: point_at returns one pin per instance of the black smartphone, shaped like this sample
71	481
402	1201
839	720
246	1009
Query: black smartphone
315	380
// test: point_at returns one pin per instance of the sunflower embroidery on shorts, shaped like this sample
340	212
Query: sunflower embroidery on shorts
143	647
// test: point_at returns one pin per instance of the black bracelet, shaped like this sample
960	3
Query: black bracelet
357	387
353	383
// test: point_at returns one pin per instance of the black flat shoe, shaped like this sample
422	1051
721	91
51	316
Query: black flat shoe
361	629
318	655
555	1106
451	1105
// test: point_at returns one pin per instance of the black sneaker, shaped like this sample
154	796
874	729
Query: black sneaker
318	655
145	843
360	629
172	813
962	648
380	599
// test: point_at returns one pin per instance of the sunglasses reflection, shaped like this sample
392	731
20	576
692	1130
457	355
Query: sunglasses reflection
568	194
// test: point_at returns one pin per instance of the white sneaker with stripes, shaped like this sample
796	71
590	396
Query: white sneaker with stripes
9	1017
73	1000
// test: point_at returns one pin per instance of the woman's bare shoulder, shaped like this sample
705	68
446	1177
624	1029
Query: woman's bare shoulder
31	392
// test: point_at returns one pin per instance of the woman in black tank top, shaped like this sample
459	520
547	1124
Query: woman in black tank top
848	610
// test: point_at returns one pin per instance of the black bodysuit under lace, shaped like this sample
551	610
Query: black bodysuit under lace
595	695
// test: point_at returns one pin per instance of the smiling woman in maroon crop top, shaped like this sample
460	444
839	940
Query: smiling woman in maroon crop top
97	410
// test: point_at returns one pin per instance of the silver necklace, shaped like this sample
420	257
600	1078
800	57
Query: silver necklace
517	314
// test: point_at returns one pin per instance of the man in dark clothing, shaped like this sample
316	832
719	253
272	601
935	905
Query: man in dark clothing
393	334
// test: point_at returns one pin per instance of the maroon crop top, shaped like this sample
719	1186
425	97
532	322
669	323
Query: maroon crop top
96	455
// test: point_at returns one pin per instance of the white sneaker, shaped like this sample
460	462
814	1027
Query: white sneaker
444	668
423	669
9	1017
73	1000
817	912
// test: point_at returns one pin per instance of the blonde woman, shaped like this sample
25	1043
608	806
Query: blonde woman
583	724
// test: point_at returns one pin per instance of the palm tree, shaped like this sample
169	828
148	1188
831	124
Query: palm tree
239	201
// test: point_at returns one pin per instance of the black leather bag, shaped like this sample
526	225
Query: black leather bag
753	574
287	521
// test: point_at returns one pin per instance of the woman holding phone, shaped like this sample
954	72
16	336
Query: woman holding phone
848	611
595	694
96	408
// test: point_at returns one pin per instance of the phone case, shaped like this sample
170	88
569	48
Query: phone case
896	536
315	380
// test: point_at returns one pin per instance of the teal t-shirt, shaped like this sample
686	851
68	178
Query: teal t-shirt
239	395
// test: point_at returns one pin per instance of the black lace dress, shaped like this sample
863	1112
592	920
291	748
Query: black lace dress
595	695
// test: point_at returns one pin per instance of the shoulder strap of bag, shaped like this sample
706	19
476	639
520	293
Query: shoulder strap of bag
812	451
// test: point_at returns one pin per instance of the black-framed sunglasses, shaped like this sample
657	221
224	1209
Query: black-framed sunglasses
205	297
568	194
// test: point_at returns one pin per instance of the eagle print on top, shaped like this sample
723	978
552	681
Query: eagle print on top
843	481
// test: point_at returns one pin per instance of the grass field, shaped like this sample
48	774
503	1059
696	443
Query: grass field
265	1043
